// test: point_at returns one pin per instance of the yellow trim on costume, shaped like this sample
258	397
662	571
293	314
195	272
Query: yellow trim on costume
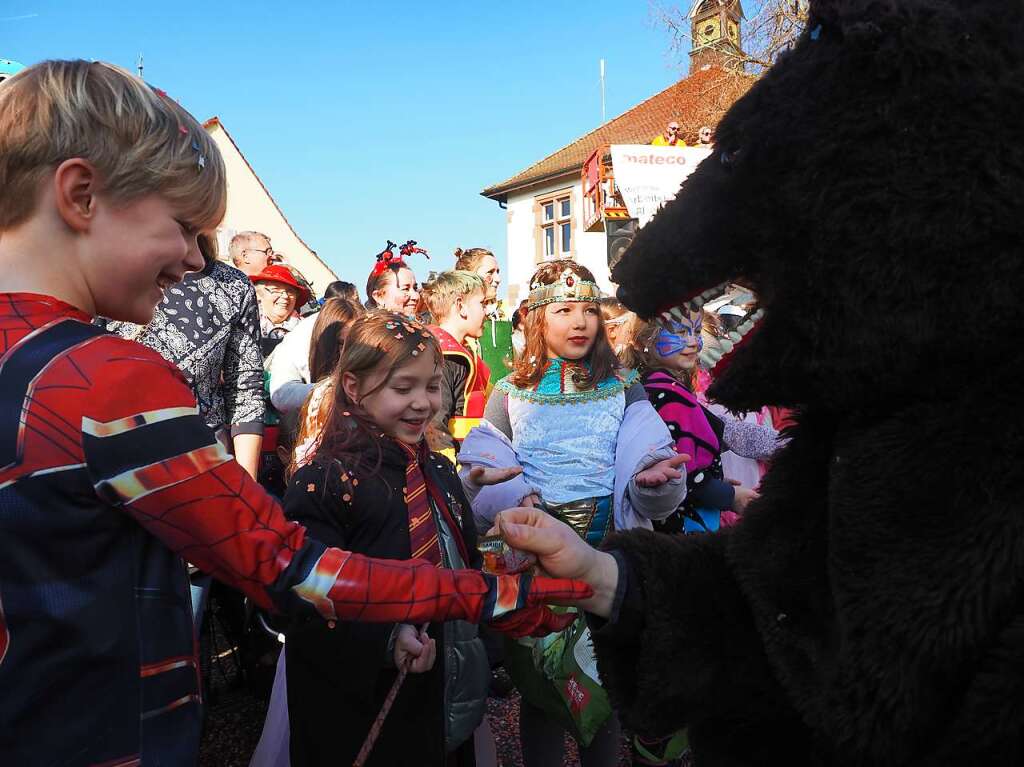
122	425
133	484
470	379
460	426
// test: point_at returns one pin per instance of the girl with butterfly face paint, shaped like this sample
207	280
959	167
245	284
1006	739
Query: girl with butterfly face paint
679	342
666	354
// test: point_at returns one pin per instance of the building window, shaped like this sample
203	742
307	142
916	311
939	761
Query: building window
555	227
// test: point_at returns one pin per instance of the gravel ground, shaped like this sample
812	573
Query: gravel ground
235	716
236	708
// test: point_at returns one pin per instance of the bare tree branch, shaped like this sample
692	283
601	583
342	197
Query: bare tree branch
771	27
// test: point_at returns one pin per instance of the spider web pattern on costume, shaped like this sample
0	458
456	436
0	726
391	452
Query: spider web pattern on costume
204	507
89	558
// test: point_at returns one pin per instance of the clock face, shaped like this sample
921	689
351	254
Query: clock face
707	31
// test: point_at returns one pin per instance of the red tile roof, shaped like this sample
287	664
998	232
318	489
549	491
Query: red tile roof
697	100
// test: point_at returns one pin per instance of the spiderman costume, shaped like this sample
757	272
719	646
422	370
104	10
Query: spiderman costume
109	480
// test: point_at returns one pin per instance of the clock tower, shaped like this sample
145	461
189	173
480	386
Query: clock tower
716	34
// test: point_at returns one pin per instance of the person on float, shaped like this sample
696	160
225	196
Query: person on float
108	474
672	136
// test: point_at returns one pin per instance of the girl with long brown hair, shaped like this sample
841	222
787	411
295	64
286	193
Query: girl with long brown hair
291	368
594	454
374	485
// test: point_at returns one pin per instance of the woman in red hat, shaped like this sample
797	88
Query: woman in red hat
279	293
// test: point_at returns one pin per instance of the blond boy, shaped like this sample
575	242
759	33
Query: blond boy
456	302
108	475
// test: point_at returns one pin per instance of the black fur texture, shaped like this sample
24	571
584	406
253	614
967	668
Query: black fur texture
869	609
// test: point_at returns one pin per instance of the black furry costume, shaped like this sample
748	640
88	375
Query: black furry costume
869	609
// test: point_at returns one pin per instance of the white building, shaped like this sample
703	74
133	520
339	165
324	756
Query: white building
544	202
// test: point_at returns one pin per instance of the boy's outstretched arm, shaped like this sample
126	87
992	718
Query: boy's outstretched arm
149	452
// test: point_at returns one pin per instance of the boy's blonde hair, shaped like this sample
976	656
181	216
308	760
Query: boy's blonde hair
138	139
441	292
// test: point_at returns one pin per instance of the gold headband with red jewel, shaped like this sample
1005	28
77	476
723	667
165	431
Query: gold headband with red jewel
568	287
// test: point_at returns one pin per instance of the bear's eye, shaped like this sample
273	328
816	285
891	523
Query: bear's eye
729	157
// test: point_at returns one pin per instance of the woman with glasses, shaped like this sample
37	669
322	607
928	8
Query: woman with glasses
279	293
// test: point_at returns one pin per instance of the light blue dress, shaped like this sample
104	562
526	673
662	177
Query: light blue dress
565	439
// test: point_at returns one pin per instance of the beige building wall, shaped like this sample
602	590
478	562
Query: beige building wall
250	206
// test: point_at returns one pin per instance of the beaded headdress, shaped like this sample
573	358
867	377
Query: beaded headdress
568	287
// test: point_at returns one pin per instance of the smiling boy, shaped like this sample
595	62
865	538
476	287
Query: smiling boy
108	475
456	302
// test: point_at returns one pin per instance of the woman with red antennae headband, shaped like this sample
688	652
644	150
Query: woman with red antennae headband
392	285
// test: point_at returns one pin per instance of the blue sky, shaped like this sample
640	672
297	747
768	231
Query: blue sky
374	121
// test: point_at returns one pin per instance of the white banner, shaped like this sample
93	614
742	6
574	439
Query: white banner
649	176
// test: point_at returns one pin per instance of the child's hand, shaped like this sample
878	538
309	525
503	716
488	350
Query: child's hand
413	648
744	495
481	477
661	472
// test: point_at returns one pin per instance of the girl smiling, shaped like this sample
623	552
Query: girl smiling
374	485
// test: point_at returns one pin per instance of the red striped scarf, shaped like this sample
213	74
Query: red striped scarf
423	535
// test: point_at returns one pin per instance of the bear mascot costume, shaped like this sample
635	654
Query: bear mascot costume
869	608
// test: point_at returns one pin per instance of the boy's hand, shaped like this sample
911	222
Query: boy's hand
414	649
482	477
662	471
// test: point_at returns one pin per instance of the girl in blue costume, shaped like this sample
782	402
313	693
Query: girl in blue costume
594	453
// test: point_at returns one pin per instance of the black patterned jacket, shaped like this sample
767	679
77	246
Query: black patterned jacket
209	327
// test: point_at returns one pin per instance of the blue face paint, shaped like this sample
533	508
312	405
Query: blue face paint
674	336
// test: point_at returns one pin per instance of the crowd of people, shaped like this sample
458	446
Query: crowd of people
338	459
641	447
